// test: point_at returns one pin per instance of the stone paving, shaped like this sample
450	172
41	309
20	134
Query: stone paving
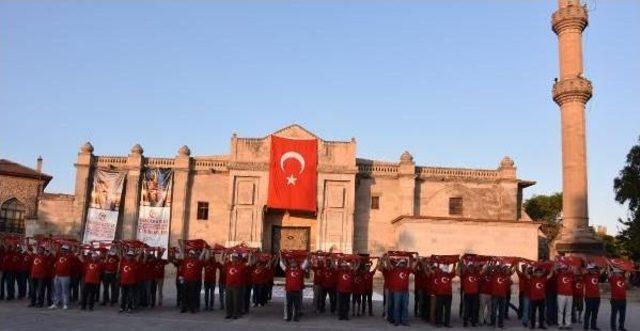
17	316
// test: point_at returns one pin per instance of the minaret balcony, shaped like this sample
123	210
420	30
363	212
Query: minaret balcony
572	89
570	18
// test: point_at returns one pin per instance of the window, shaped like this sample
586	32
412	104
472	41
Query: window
455	206
375	202
203	210
12	217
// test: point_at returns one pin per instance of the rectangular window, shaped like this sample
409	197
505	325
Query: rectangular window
455	206
375	202
203	210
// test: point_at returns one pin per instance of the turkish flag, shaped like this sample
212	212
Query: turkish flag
293	174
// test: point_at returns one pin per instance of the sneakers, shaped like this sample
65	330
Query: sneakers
53	306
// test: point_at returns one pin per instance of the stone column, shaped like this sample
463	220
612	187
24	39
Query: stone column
132	193
407	182
571	92
82	190
180	199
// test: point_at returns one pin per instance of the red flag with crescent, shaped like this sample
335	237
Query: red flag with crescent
293	174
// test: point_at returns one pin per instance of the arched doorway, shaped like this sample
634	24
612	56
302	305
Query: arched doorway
12	214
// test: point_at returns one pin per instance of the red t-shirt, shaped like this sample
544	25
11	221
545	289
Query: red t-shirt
92	272
158	268
499	284
234	272
345	281
358	283
367	279
317	275
40	266
485	284
260	275
419	281
128	271
25	262
63	265
329	278
618	287
538	287
564	283
210	270
578	287
294	279
523	284
399	279
111	263
222	272
442	282
591	288
8	259
192	269
470	282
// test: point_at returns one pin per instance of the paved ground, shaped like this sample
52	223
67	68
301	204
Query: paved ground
16	316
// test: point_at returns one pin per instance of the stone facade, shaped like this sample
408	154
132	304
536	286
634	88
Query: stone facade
410	203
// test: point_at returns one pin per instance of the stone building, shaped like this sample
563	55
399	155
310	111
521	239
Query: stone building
21	188
364	205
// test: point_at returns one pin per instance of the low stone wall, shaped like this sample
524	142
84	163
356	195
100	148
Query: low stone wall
55	215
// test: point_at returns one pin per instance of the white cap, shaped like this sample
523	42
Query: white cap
65	246
130	253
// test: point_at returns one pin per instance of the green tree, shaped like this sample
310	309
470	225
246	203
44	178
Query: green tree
627	189
546	209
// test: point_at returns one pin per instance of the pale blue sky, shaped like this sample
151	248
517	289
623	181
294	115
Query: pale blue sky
457	83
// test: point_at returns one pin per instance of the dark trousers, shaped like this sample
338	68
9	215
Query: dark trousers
577	307
209	289
48	286
367	302
294	303
88	295
246	299
127	296
259	294
233	295
552	308
498	304
74	288
37	291
331	292
619	308
179	292
471	308
21	278
109	288
356	303
8	283
343	305
443	309
592	305
537	306
190	296
221	293
153	289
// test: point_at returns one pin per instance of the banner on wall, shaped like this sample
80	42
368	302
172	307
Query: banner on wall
104	206
155	207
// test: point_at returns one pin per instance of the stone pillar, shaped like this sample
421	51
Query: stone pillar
132	193
83	166
571	92
407	182
180	199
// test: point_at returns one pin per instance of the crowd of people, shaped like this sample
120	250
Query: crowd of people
57	272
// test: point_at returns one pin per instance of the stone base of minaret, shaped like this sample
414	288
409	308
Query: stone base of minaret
578	241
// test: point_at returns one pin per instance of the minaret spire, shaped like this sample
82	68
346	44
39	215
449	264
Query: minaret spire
571	92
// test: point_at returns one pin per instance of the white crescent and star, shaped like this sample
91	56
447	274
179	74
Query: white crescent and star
539	286
500	280
402	275
620	283
233	271
565	280
444	280
594	281
291	179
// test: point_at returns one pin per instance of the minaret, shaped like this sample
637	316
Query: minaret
571	92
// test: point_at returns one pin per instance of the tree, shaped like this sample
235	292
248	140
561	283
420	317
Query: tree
546	209
627	189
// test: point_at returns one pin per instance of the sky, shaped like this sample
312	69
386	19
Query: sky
456	83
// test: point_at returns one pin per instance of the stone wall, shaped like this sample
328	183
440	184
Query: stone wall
26	190
55	216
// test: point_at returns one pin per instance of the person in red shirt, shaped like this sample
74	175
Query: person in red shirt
210	271
317	266
157	284
618	280
500	283
470	281
39	276
234	274
538	281
62	269
91	281
564	291
399	287
127	270
443	292
523	297
328	283
367	279
294	284
23	266
358	290
344	287
591	280
9	261
260	277
578	298
109	280
222	279
191	266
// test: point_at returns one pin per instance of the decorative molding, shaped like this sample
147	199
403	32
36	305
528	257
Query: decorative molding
569	18
572	89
